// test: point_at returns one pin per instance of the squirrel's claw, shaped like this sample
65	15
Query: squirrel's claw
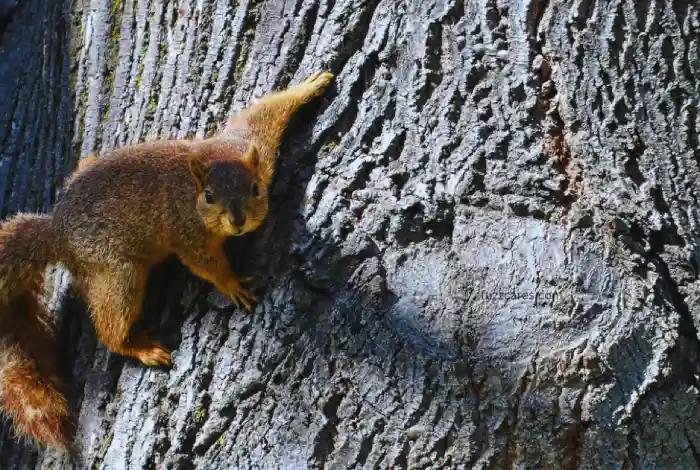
244	300
155	355
318	82
241	297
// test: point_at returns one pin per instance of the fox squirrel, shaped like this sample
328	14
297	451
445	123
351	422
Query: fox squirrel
120	215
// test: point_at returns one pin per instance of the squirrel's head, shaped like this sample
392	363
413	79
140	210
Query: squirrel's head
231	197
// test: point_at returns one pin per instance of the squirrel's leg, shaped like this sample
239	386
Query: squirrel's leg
213	267
115	297
267	119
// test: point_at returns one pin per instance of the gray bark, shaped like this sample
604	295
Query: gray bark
483	250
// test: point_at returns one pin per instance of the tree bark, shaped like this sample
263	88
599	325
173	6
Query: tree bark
483	250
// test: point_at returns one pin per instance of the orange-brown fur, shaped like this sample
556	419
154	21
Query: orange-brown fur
82	164
121	214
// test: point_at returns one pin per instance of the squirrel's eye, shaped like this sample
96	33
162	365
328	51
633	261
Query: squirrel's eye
256	190
209	197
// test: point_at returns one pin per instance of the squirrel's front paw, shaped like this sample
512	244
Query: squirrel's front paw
153	354
240	296
319	81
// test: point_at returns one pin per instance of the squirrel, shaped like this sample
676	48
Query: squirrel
120	215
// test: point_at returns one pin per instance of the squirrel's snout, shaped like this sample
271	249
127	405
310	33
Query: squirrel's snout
237	217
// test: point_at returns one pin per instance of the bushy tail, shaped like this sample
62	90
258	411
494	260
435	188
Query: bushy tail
29	386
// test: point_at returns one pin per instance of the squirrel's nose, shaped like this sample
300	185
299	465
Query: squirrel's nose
238	216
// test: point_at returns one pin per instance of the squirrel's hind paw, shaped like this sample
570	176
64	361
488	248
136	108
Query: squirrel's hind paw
153	354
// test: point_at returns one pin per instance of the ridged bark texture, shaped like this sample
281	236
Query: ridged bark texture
484	247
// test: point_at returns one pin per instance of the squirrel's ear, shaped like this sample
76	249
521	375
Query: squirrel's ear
253	157
200	171
254	162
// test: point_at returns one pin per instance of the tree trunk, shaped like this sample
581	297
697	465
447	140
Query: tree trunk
483	250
